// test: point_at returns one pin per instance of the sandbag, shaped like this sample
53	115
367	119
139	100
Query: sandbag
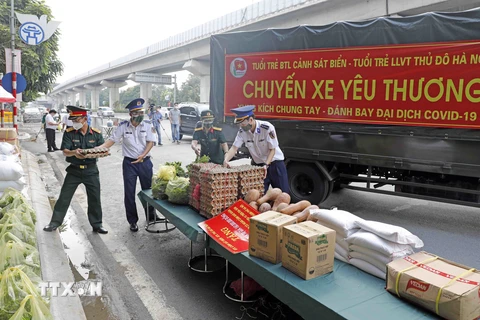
10	171
341	221
372	241
391	232
17	185
6	148
368	268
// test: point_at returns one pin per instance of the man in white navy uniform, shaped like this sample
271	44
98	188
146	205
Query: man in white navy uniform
138	139
261	141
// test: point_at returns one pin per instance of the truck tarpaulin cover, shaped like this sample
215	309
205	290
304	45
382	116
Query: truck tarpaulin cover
416	71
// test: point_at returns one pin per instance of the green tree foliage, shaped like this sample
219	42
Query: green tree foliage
190	90
40	64
105	97
128	95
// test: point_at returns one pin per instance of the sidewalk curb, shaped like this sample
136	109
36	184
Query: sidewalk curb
53	259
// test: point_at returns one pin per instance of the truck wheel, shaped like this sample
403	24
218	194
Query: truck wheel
307	183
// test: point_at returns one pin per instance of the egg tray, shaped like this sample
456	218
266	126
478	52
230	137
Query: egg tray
95	153
218	193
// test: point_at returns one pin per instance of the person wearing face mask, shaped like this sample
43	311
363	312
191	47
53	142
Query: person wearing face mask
138	138
209	140
81	170
261	141
174	117
155	116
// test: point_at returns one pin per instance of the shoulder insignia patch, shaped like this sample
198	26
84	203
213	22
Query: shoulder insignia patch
123	122
198	129
265	126
97	130
216	128
69	130
147	121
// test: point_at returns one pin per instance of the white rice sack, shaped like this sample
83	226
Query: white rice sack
341	221
10	158
6	148
339	257
374	262
341	251
18	185
391	233
377	255
10	171
368	268
372	241
342	243
341	233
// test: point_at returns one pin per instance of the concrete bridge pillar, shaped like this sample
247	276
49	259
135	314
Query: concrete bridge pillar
95	92
65	99
72	97
146	91
114	96
81	95
200	68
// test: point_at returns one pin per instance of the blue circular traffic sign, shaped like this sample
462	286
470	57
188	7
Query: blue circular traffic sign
7	82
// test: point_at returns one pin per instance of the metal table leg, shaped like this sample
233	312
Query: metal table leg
167	227
216	260
242	300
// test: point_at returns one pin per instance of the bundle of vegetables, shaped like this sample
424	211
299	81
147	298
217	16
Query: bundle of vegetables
202	159
16	290
276	200
160	181
178	168
20	298
177	190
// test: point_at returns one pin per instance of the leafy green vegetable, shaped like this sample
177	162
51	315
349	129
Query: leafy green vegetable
158	188
202	159
178	168
166	172
177	190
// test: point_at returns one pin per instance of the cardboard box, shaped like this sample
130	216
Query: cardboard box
308	249
266	231
424	275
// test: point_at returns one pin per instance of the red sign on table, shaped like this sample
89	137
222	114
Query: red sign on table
425	84
231	227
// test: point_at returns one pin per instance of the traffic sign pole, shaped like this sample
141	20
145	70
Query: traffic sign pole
14	75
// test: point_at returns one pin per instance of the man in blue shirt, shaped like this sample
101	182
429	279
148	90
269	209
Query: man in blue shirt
155	116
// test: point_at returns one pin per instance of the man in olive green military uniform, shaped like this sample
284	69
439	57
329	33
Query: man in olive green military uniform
81	170
209	140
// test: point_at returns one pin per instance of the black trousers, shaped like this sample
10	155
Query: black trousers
50	133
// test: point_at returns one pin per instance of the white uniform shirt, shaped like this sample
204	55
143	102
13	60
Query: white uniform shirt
260	142
68	123
49	118
134	138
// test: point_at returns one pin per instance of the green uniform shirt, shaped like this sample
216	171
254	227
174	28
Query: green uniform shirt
74	139
210	142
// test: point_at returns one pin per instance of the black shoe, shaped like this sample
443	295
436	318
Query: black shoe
101	230
160	144
50	227
55	149
133	227
50	150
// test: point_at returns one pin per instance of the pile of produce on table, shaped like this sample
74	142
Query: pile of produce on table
20	296
170	183
276	200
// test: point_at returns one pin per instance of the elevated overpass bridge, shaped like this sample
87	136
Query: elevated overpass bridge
190	50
